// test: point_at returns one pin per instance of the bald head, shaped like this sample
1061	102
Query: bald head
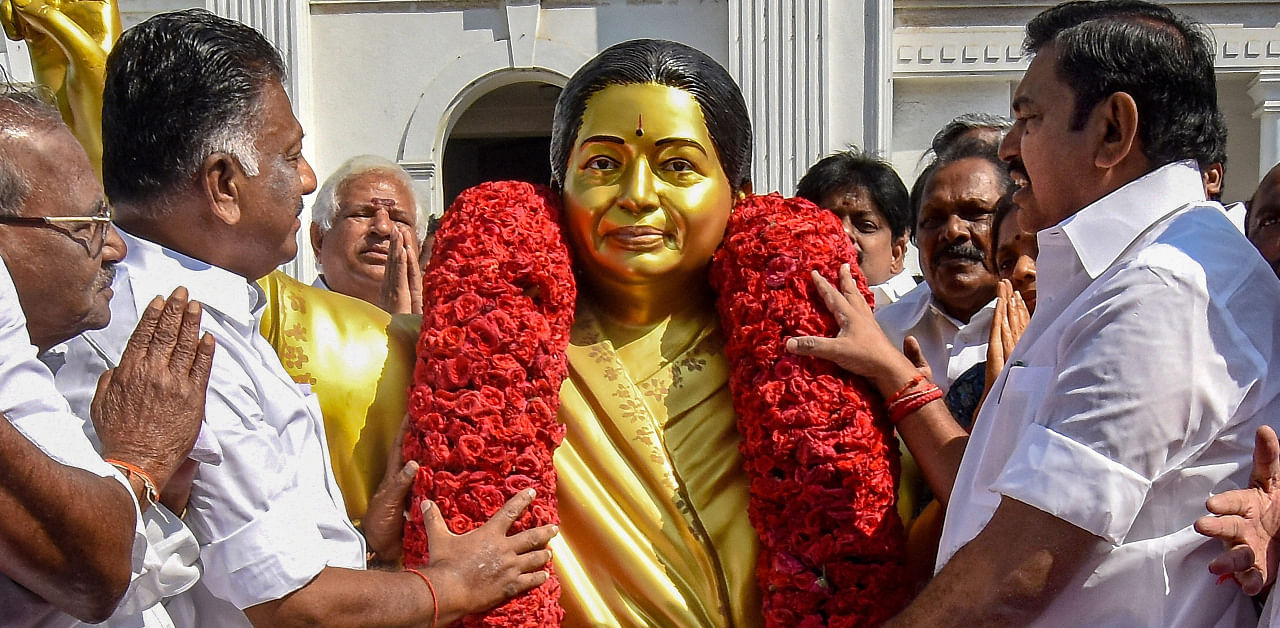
22	115
1262	222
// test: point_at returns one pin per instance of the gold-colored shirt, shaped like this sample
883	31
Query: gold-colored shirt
358	361
652	493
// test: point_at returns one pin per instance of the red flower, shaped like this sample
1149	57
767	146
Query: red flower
480	332
817	446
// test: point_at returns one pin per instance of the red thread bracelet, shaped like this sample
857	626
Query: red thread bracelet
129	469
895	397
904	407
435	601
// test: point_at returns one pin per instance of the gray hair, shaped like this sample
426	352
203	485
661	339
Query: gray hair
21	112
964	123
326	204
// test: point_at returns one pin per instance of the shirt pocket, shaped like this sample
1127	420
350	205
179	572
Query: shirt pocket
1025	388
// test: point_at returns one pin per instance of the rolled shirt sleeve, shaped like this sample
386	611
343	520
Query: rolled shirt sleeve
1142	386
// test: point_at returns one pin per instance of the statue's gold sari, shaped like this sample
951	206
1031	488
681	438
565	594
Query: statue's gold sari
653	496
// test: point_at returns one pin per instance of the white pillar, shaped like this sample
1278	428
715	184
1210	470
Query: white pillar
1265	90
816	77
287	25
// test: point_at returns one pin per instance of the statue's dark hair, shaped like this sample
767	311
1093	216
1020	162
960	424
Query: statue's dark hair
179	87
666	63
1162	59
853	169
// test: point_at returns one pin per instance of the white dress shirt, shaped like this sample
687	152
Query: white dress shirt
264	504
1132	397
32	404
892	290
950	346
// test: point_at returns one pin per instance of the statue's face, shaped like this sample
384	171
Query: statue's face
645	195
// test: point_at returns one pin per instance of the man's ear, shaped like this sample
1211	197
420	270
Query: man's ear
1118	117
898	252
317	239
220	179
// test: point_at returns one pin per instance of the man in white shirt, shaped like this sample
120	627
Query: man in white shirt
1135	391
73	544
949	314
202	156
365	230
873	206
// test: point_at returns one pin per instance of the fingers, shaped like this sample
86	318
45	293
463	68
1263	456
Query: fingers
1228	528
837	304
525	582
188	339
165	337
534	539
395	456
415	276
816	346
433	522
100	395
202	362
532	561
911	349
140	339
1020	315
1266	459
511	511
1238	502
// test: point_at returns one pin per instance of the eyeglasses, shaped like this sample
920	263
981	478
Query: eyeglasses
89	231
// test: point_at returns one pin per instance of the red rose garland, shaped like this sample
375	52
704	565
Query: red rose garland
818	447
491	359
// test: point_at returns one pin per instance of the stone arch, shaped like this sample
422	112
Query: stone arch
457	86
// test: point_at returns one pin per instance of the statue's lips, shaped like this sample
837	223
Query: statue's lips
636	238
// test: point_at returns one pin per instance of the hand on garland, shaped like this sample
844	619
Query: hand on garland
483	568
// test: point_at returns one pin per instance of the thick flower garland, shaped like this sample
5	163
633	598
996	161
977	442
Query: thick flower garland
818	447
500	300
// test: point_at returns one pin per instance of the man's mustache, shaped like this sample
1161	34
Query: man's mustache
961	250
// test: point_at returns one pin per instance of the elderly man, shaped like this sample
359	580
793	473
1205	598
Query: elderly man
949	314
72	539
868	197
211	199
1262	221
365	232
1137	387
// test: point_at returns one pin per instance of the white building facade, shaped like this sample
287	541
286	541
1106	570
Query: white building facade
459	90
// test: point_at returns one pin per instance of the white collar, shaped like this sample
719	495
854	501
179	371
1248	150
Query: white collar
158	270
1104	229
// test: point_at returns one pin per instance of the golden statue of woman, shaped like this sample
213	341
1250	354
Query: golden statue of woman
68	41
651	148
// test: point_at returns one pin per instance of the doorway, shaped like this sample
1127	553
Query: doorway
503	135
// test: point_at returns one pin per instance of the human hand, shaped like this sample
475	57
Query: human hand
1010	320
1248	520
147	411
484	568
402	280
383	522
860	347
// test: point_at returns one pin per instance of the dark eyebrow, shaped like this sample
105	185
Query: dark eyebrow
680	140
611	139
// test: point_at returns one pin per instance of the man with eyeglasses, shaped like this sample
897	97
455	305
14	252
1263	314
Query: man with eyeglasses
73	544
